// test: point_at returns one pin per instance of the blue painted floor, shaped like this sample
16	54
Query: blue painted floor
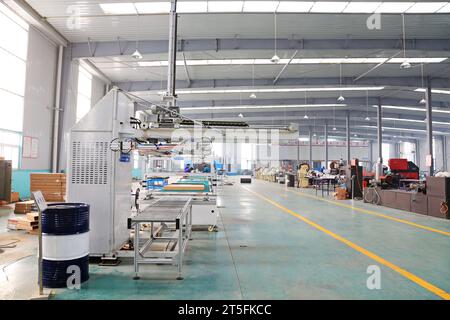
262	252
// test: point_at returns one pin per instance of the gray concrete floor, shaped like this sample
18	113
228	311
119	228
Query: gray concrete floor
273	243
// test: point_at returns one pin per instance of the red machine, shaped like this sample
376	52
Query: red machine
404	168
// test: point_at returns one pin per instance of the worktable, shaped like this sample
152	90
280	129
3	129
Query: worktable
174	215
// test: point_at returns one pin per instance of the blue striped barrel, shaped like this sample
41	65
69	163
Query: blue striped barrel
65	243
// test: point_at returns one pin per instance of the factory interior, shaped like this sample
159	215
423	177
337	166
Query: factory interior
224	150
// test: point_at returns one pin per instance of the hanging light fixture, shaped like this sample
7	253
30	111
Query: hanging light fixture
136	54
253	95
367	106
275	58
341	97
405	64
423	101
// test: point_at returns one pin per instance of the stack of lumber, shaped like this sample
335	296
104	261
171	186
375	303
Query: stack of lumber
24	207
29	223
52	185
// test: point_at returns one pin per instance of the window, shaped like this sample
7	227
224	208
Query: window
135	159
409	151
13	55
84	93
386	152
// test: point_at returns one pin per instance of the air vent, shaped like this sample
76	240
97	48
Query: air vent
89	162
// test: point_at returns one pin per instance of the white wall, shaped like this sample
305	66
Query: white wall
70	106
39	98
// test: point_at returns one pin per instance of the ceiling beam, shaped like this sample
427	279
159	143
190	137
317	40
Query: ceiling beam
413	82
357	102
110	48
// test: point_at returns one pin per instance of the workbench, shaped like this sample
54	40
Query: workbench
174	216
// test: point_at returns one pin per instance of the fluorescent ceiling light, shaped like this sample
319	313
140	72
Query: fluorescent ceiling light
329	6
417	60
434	91
118	8
295	6
445	9
212	62
394	7
412	109
152	7
192	6
415	121
225	6
361	7
260	6
276	90
426	7
264	107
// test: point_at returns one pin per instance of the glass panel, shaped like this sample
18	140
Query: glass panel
11	111
13	71
15	40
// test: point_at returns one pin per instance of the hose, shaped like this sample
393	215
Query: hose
376	196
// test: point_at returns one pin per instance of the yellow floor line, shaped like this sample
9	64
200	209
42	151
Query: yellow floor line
373	213
424	284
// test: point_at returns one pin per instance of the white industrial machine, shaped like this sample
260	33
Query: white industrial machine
99	168
96	174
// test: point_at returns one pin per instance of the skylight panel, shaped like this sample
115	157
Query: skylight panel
362	7
295	6
152	7
225	6
394	7
260	6
192	6
426	7
118	8
329	6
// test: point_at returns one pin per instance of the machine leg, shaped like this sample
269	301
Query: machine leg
136	251
180	255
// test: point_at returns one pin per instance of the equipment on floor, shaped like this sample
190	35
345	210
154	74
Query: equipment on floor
170	222
354	179
290	180
404	169
246	179
5	180
303	180
65	243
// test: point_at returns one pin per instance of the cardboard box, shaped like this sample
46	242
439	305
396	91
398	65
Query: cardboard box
340	194
14	197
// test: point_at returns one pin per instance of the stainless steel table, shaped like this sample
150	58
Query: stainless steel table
174	214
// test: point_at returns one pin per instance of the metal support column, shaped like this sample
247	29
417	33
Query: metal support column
326	145
416	153
56	111
370	153
172	58
347	124
444	153
379	167
429	128
310	148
